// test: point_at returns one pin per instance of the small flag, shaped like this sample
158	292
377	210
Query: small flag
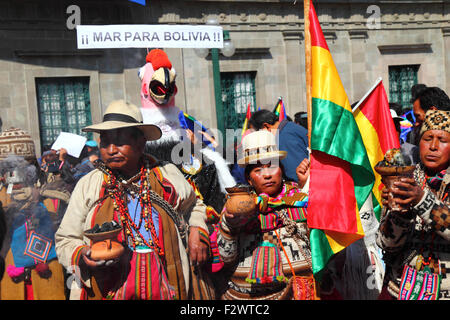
189	122
406	125
373	117
247	119
279	110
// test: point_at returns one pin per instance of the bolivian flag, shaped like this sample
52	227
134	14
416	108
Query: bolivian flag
279	110
341	177
247	119
373	117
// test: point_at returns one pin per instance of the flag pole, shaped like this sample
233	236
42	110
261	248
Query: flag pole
367	94
306	7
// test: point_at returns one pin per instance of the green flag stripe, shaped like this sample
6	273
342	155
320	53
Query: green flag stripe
336	133
321	251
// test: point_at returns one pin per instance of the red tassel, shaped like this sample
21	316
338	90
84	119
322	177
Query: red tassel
42	268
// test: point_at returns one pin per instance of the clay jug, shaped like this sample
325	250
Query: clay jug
241	201
104	246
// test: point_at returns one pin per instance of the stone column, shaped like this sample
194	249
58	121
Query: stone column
360	81
295	70
446	35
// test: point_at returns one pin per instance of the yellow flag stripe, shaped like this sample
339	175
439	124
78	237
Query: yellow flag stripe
326	83
373	148
339	241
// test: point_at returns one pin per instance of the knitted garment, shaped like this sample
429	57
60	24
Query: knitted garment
32	239
435	181
420	238
436	120
17	142
260	251
290	198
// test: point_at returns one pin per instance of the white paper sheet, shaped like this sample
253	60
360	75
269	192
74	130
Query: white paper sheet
73	143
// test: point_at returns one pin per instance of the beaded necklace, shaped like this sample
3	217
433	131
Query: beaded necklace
118	190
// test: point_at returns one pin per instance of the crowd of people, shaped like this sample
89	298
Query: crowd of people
125	221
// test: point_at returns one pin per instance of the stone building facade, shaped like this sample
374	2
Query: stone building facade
367	38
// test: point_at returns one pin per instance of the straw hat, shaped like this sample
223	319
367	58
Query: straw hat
121	114
260	146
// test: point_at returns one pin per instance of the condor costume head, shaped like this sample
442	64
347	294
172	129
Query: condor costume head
157	96
158	80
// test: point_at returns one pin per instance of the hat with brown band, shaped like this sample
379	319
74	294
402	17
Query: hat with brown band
121	114
260	146
436	120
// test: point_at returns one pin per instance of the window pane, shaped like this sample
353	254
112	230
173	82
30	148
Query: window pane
401	79
238	91
63	105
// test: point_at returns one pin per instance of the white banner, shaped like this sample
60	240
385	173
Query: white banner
149	36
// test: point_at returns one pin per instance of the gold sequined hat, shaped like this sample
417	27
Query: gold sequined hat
436	120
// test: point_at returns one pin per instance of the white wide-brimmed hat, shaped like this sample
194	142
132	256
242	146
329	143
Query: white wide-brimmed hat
394	115
121	114
260	146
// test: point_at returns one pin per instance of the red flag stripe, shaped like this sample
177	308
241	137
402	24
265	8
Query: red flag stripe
317	38
380	118
332	171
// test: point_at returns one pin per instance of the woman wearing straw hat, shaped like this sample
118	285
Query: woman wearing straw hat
416	239
150	201
265	253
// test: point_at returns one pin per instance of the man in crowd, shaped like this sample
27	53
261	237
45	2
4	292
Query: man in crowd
301	118
430	98
291	137
150	201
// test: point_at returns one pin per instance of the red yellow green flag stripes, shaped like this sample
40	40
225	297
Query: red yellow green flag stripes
373	117
279	110
247	118
341	177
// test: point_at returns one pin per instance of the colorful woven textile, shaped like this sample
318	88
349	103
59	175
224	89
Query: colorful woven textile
290	199
217	262
419	285
304	288
266	265
435	181
31	246
147	280
290	195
